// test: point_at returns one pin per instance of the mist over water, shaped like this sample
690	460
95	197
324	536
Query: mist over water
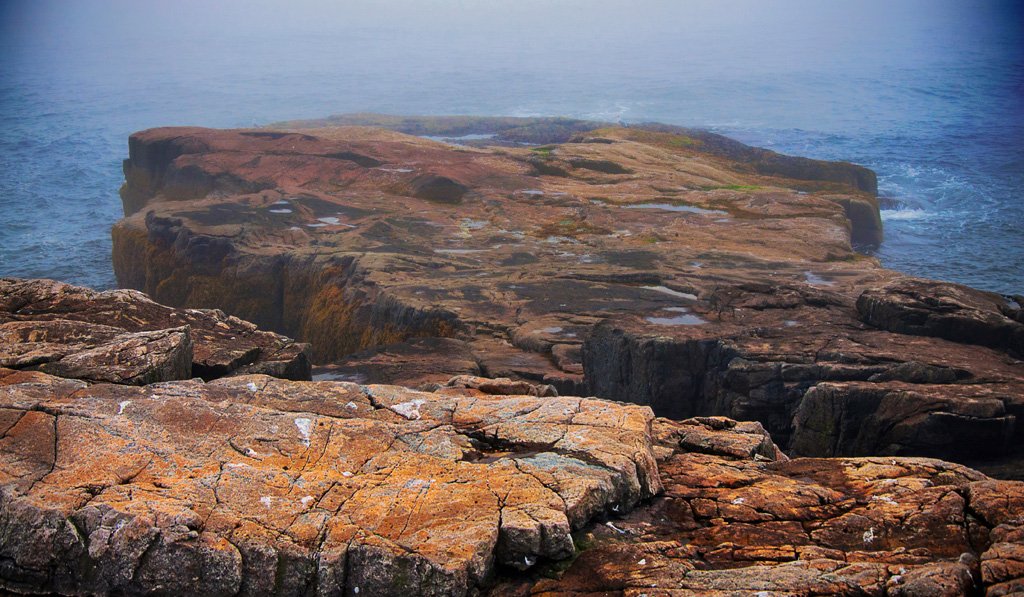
929	94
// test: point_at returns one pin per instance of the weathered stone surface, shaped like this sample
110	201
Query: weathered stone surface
857	418
539	131
416	363
701	435
951	311
260	486
732	524
255	485
500	386
138	358
658	265
122	336
1000	506
823	383
326	234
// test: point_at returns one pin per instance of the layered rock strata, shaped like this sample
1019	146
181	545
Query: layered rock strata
663	266
822	381
122	336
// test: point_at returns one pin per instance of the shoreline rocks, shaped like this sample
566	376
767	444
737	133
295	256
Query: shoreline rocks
263	486
658	265
821	381
253	485
329	229
150	448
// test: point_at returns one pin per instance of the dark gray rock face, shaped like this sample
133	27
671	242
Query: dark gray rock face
823	383
137	358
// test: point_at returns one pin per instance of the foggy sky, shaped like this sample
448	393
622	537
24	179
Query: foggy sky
592	24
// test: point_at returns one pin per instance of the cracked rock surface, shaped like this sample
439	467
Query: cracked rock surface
810	365
122	336
736	519
254	485
650	264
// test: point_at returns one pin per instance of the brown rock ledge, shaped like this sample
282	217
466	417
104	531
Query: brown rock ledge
121	336
663	266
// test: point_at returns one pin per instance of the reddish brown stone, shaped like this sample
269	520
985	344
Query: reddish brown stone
662	266
731	524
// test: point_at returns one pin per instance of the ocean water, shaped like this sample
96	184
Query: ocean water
929	94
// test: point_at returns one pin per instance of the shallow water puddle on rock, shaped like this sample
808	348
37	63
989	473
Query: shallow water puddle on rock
333	221
359	378
684	317
670	292
816	280
682	208
466	137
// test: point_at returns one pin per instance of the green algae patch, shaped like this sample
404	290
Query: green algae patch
732	187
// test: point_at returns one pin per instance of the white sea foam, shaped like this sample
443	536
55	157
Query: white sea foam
906	214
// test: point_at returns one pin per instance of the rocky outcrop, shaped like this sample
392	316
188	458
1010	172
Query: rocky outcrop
416	363
540	131
770	163
652	264
257	486
352	238
944	310
737	519
136	358
123	337
798	360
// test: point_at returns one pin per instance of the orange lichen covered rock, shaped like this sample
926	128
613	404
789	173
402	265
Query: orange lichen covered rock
732	524
257	485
